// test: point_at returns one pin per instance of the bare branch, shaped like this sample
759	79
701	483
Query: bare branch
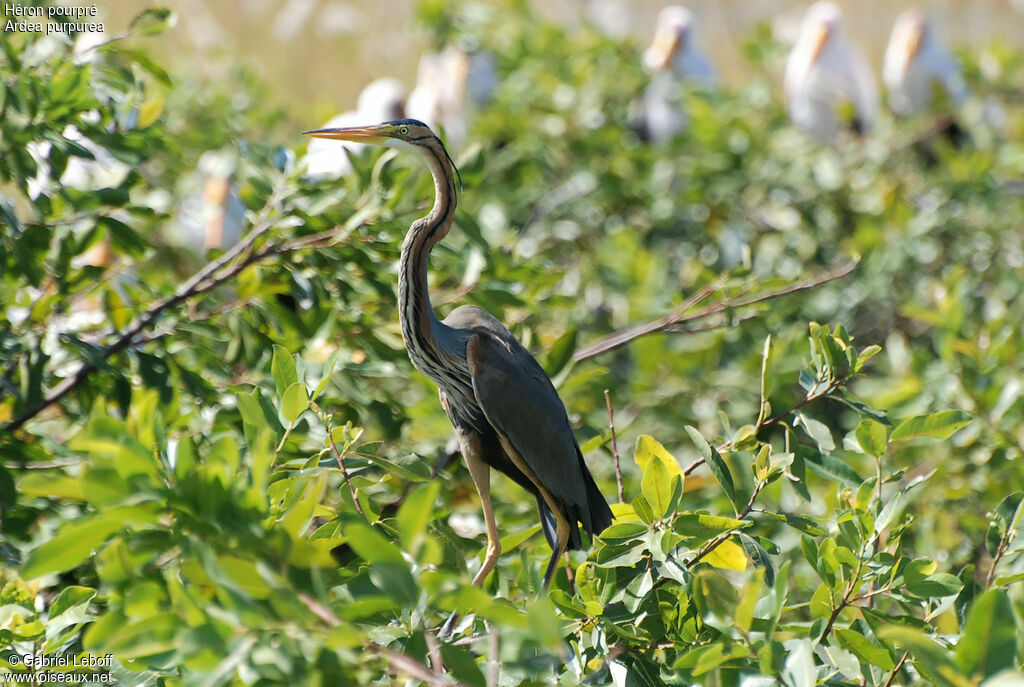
620	339
210	276
672	321
897	668
400	664
1004	540
319	610
615	447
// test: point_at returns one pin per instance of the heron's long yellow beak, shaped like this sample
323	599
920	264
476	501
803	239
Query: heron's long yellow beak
667	43
359	134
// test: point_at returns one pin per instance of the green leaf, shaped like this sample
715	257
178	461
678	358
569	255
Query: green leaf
714	461
147	64
728	556
988	641
934	586
706	526
372	546
151	110
865	649
830	467
462	666
816	430
748	600
294	402
804	524
395	580
624	531
153	21
414	514
871	436
656	486
867	354
931	658
69	598
282	368
759	557
766	376
74	543
299	514
937	425
322	384
512	541
798	670
1005	520
593	443
560	353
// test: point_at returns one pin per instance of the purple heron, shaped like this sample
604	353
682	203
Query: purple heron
506	412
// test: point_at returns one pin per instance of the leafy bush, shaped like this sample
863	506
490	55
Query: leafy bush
219	467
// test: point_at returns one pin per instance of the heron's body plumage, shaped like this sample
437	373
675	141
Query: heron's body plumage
504	407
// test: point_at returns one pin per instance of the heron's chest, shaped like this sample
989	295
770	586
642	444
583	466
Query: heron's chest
451	374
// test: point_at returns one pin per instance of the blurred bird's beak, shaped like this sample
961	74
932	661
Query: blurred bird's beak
913	45
358	134
820	38
667	43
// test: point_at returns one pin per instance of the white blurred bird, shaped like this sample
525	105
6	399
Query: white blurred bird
674	48
211	215
381	100
672	59
450	87
917	65
825	73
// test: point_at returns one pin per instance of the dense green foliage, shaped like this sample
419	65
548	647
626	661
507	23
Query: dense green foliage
221	468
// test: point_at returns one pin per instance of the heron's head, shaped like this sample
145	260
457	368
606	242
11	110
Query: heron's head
410	134
671	37
822	21
399	133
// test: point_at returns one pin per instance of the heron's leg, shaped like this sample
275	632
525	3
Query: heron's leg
481	474
561	541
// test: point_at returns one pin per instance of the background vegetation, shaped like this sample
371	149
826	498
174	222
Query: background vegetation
220	467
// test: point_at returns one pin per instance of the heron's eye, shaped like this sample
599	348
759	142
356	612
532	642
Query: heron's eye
403	131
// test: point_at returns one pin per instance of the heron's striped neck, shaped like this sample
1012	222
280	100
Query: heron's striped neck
415	311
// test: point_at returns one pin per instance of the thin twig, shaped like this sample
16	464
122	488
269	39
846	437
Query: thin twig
434	652
847	597
620	339
400	664
470	639
717	541
897	668
615	447
319	610
1000	550
344	473
668	323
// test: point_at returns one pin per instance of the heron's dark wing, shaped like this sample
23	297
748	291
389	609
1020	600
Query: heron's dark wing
522	405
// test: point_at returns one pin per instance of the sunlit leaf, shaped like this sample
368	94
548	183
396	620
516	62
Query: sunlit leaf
940	425
646	447
728	556
989	640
